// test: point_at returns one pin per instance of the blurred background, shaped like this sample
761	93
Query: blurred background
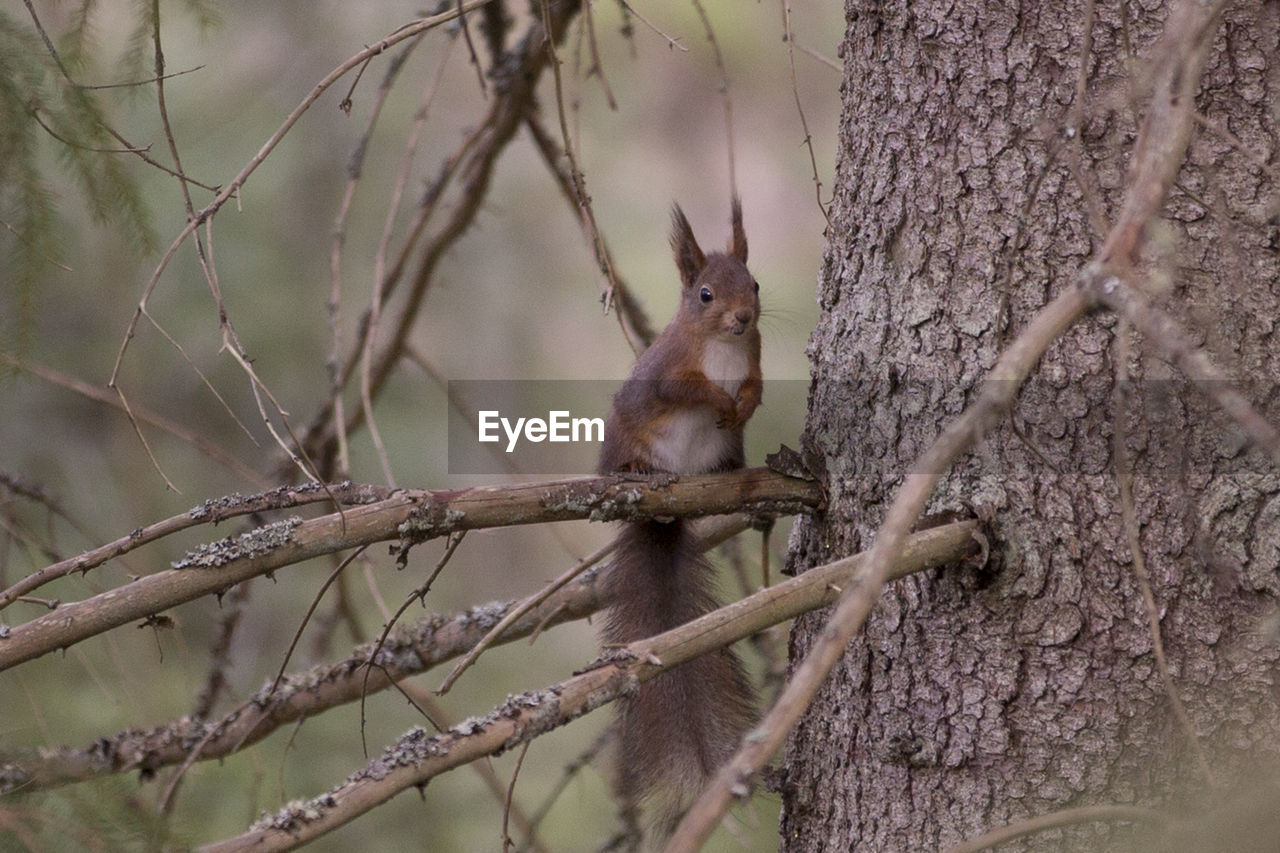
517	297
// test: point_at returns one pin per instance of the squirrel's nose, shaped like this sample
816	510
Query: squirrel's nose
743	316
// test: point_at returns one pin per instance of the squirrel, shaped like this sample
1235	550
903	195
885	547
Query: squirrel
682	411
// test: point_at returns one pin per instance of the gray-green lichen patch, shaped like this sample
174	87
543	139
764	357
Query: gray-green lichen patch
255	543
483	615
608	509
413	747
573	500
216	509
13	777
542	710
428	522
295	814
397	653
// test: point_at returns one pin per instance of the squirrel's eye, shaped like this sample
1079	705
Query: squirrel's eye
705	294
757	284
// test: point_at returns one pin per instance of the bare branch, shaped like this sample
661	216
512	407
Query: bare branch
790	39
724	95
411	516
410	650
418	594
586	213
519	610
417	758
210	512
1161	331
635	322
233	188
475	159
1129	519
1054	820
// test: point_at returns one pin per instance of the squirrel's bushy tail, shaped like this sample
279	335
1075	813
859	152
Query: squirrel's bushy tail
683	724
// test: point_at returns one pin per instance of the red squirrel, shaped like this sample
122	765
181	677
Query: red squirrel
682	411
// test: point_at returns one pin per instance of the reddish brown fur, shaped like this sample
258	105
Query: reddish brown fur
670	416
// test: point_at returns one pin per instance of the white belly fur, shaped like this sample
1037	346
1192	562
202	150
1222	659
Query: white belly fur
688	442
726	364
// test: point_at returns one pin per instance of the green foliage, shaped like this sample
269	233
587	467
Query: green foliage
47	116
138	61
27	241
107	815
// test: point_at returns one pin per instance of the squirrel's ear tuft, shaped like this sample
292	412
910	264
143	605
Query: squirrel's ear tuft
738	243
689	258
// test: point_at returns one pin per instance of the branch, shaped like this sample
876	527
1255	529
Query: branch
78	386
417	758
1163	332
411	516
209	512
410	650
233	188
635	323
1158	153
515	88
1055	820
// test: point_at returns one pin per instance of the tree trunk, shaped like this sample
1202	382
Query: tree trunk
969	191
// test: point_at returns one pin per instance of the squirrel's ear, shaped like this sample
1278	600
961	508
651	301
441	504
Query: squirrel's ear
738	244
689	258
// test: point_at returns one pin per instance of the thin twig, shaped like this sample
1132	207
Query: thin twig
146	445
220	658
377	297
671	40
93	392
635	323
417	758
586	213
471	49
23	239
1176	344
329	423
419	594
315	602
597	64
821	57
1129	518
1075	125
71	143
724	95
355	170
507	843
62	69
1055	820
233	188
204	379
789	37
571	770
518	611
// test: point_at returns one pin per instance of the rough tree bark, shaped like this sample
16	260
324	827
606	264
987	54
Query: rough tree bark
971	188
